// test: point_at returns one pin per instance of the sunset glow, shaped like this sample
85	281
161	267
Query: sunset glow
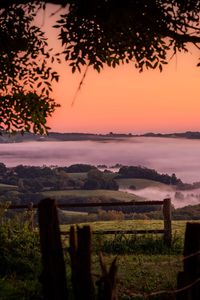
124	100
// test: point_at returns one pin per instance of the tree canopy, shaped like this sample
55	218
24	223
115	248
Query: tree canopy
146	33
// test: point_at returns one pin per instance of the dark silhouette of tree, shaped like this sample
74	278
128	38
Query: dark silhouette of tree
93	33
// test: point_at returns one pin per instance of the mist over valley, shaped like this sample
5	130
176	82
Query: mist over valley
165	155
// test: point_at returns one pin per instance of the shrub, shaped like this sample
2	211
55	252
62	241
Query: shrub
19	259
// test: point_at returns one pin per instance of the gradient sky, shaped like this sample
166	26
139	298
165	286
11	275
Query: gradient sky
124	100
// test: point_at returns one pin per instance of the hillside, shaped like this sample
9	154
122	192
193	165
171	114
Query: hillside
105	195
5	187
130	183
58	136
186	135
74	136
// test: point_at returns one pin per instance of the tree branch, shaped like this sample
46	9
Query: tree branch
183	38
7	3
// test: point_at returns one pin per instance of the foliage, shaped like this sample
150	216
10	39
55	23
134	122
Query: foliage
146	173
143	32
19	259
110	215
92	33
190	212
2	169
79	168
99	180
19	250
33	172
25	71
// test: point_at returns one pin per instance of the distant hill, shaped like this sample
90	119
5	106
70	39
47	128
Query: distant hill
57	136
186	135
6	137
138	183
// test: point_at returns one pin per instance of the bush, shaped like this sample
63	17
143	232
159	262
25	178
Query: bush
19	260
110	215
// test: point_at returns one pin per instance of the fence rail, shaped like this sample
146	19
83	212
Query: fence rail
166	204
94	204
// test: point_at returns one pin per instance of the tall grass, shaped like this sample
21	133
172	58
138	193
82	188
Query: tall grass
138	244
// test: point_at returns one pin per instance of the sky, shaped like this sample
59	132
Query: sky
124	100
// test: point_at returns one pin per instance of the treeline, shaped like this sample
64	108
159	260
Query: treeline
187	135
146	173
26	183
30	181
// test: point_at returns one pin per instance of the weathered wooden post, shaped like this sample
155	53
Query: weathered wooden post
191	274
80	253
167	221
53	276
107	284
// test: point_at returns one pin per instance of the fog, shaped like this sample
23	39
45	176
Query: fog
166	155
190	197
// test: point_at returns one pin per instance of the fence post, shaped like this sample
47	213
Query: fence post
191	264
80	253
53	276
167	221
107	284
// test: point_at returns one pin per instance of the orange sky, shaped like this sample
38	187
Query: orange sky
124	100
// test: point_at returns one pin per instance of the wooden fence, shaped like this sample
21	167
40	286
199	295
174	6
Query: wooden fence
54	281
166	205
54	277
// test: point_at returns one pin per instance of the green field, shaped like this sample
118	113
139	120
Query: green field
7	187
142	183
178	227
145	265
108	194
150	267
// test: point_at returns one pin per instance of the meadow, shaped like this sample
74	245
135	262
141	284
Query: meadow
145	264
88	194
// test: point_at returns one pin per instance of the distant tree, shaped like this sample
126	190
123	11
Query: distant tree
32	185
98	180
79	168
95	174
33	172
146	173
92	33
94	180
3	169
174	179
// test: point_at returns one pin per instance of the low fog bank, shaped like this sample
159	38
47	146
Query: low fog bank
165	155
179	198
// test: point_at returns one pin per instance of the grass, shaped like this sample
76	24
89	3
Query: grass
138	274
8	187
12	288
145	265
141	183
117	195
69	213
178	227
